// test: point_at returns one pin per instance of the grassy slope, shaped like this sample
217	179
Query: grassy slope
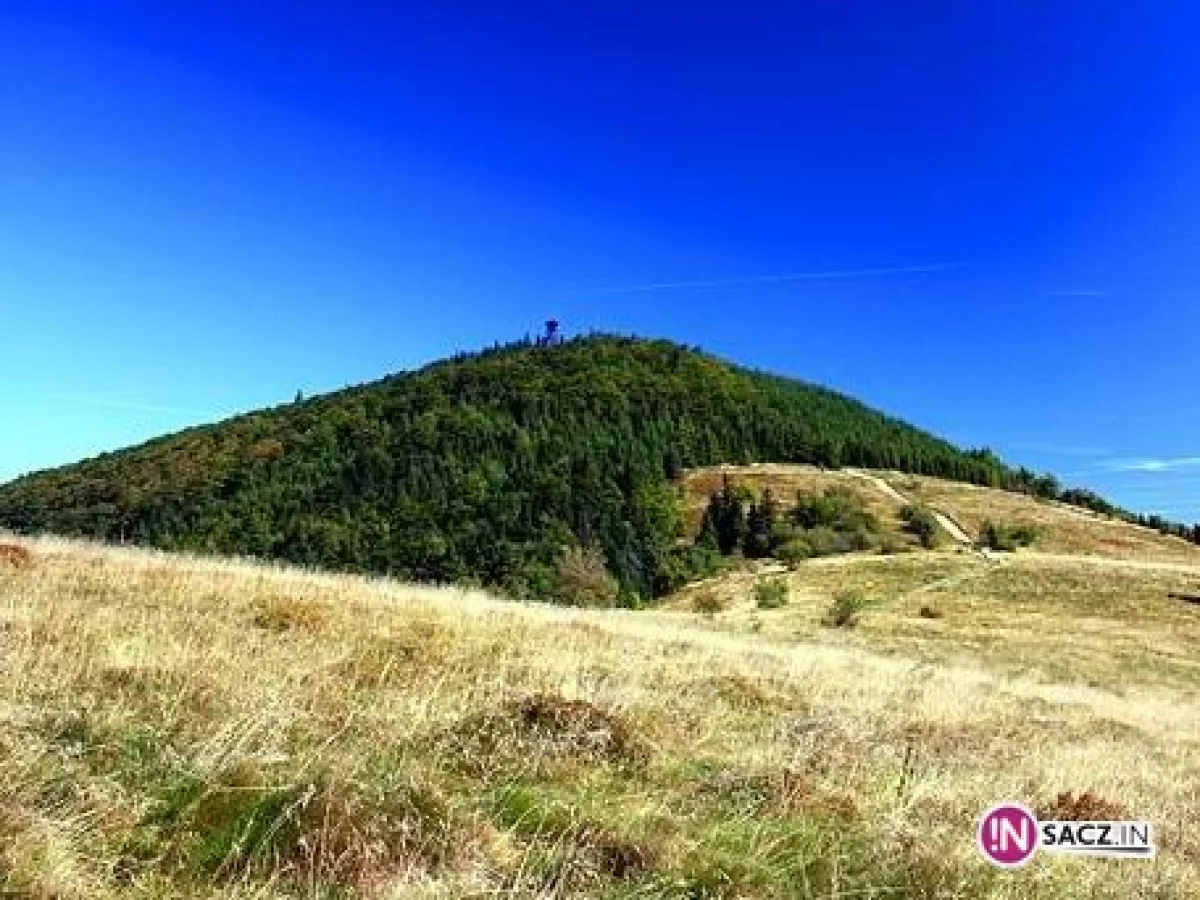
1066	529
173	727
1062	529
1080	620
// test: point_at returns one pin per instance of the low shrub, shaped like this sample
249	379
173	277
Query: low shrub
709	602
823	540
1025	535
582	579
15	556
770	593
923	524
1007	538
891	546
845	609
826	524
794	551
836	508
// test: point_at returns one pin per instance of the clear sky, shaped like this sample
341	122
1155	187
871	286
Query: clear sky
983	217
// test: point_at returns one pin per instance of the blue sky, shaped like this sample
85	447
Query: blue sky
983	217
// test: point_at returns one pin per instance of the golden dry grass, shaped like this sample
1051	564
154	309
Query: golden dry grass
1056	619
1062	528
179	727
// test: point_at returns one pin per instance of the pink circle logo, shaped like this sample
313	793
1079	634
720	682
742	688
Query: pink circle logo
1008	835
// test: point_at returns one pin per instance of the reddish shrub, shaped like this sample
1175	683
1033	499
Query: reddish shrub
1087	807
15	556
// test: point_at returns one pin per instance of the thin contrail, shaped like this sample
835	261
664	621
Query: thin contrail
1081	293
132	405
828	275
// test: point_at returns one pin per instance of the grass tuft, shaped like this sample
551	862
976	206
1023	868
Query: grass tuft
281	614
845	610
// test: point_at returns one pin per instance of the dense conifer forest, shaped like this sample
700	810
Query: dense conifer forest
486	467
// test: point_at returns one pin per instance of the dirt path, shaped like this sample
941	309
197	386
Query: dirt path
951	527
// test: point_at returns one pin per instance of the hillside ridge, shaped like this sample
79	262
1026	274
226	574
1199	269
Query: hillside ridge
479	467
485	467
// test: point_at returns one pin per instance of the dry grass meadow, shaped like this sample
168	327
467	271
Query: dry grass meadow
175	727
1064	529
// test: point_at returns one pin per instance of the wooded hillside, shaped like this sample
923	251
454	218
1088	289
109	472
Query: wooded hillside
483	467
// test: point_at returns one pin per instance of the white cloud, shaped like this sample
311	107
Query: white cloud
1151	465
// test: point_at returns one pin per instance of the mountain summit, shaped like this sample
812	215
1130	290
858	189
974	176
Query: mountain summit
483	467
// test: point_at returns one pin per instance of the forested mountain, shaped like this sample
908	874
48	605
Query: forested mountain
483	467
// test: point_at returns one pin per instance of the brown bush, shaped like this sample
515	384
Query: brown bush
1087	807
15	556
710	602
540	733
356	832
583	726
582	579
284	614
265	450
